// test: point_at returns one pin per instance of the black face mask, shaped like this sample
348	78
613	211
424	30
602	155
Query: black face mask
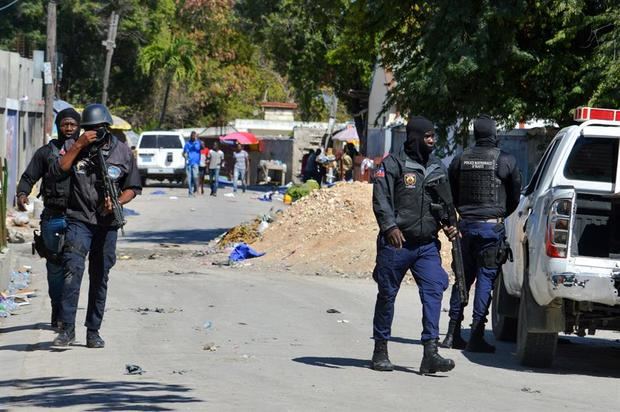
485	132
68	113
415	147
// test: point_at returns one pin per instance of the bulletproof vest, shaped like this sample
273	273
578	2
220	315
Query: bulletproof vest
478	181
55	189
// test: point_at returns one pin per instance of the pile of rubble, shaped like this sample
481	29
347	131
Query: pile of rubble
329	232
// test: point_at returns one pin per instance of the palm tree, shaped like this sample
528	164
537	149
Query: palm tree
174	59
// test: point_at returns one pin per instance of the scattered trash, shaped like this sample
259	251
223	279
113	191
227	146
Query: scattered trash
134	370
16	237
242	323
180	372
229	195
130	212
173	198
207	325
343	321
125	257
529	390
145	310
21	219
263	226
333	311
167	245
242	251
199	253
158	192
192	209
210	347
153	256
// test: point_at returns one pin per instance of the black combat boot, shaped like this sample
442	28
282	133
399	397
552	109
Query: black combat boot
476	341
66	336
432	362
453	337
380	360
93	340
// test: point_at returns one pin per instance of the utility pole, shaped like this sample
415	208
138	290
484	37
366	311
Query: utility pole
50	69
109	45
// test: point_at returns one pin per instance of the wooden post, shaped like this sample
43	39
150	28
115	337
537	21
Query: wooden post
51	59
109	45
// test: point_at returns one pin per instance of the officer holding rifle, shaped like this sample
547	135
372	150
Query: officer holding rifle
486	186
104	176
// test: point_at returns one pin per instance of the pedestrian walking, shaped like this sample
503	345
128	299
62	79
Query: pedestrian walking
91	224
241	168
215	159
191	152
486	186
55	192
202	167
408	241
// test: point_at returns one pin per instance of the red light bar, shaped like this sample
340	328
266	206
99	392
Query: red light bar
594	113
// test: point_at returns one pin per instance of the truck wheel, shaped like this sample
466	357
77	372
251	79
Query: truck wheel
504	327
533	349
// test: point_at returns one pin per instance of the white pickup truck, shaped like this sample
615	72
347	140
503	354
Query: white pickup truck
565	236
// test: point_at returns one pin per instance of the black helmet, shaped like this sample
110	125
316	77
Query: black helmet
95	114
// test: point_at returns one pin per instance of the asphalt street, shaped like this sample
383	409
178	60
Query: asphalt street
218	339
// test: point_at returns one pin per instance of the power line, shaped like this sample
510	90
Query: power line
8	5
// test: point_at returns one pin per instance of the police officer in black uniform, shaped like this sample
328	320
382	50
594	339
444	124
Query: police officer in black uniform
55	194
408	241
486	186
91	226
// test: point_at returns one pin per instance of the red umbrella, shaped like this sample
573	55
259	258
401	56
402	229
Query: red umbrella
244	138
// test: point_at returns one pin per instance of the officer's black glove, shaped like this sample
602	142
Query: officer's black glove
395	237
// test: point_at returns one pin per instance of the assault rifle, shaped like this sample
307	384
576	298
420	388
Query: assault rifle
448	211
109	188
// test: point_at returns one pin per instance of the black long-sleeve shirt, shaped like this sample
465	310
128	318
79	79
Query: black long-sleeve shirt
37	168
507	172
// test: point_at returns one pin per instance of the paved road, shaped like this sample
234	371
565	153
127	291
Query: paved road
276	347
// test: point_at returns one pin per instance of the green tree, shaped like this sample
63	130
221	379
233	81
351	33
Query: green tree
173	59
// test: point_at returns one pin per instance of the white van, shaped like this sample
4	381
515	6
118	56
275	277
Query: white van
160	156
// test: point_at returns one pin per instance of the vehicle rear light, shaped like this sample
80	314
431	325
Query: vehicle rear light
594	113
558	225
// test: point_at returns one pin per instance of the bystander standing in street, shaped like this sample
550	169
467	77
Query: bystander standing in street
55	191
202	167
191	152
215	159
241	168
92	227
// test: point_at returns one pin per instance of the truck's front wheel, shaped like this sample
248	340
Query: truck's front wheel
533	348
504	327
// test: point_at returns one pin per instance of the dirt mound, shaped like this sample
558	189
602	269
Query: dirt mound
329	232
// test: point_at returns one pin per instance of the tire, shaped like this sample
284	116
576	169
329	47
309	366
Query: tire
533	349
504	327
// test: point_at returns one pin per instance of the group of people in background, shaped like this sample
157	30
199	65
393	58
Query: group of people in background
316	164
199	159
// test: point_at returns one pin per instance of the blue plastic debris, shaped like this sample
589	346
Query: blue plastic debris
130	212
159	192
242	251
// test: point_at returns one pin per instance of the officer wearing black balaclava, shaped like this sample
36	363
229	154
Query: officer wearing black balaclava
55	193
486	186
408	241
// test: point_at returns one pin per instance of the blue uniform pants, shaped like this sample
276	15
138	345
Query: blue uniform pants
99	243
432	281
477	237
214	176
52	228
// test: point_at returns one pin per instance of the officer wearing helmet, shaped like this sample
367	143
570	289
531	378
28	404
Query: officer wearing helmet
91	226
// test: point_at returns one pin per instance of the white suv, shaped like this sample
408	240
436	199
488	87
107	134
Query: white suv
565	236
160	156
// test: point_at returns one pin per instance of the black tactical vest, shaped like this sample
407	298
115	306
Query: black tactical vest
479	184
55	189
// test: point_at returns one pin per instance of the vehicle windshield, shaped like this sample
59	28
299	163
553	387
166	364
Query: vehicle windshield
152	141
593	159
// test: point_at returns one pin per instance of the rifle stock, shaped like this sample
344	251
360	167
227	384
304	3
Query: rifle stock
109	190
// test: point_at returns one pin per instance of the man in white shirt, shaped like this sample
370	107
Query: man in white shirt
242	165
215	159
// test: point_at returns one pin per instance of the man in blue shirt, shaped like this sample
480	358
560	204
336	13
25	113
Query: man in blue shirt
191	152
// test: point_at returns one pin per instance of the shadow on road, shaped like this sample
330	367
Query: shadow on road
33	326
188	236
574	356
339	363
92	395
